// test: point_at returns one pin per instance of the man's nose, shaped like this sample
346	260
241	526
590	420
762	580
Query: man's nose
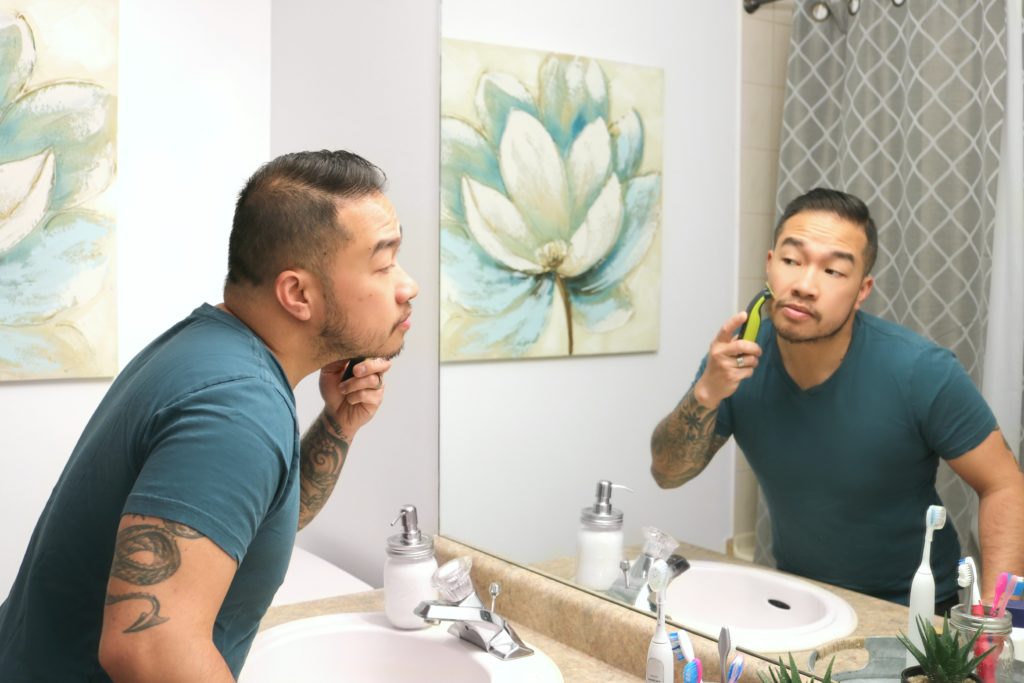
407	288
806	286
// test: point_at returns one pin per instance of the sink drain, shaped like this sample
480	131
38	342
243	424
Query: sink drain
778	603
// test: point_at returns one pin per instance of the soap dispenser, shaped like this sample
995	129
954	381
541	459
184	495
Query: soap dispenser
599	542
408	569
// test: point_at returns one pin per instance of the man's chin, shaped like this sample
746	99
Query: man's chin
387	353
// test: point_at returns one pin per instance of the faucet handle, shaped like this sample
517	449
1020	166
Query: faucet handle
452	580
624	568
495	591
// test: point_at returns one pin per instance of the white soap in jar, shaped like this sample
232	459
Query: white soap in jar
599	541
408	570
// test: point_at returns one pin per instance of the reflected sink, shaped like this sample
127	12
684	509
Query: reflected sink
364	647
765	611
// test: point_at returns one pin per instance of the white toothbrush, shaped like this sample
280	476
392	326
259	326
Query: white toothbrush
967	578
922	589
660	662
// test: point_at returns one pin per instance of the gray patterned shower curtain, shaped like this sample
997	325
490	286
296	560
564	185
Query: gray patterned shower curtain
903	106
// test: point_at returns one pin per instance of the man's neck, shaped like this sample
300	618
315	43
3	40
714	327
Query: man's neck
277	341
812	363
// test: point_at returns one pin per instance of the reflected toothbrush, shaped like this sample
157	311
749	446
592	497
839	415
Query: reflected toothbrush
967	578
999	607
922	588
997	595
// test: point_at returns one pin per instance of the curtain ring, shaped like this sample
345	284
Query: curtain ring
820	11
853	6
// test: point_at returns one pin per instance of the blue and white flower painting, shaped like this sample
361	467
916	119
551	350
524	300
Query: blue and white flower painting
58	118
550	204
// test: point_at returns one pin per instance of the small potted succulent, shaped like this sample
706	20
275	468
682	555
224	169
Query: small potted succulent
792	674
941	658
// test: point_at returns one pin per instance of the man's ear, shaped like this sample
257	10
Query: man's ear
295	292
865	288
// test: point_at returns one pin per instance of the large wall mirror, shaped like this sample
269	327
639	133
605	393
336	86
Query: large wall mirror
523	442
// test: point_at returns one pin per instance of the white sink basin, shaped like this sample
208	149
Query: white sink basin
765	611
364	647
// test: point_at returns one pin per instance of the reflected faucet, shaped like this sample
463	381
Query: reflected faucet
632	587
471	621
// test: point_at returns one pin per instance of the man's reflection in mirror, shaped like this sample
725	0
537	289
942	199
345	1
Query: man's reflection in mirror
844	417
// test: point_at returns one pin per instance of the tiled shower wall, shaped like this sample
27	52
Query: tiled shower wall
765	47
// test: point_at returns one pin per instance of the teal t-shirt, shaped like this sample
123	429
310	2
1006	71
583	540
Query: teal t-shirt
848	467
200	429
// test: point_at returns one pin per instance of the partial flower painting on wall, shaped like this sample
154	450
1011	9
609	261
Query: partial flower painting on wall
550	204
57	163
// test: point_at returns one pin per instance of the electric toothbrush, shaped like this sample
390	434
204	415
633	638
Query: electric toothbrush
660	661
967	578
922	589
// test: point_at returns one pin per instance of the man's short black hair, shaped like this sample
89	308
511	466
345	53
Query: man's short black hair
842	204
287	213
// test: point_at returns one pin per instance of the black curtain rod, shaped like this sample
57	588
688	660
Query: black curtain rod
752	5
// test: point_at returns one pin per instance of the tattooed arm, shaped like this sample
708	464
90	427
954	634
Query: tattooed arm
684	442
167	583
324	448
348	405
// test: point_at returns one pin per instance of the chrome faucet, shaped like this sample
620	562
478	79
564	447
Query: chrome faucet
472	621
632	587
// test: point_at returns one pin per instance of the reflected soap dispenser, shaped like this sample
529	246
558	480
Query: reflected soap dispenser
599	542
408	569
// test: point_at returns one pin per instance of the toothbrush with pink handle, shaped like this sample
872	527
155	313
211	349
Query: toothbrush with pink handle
1010	587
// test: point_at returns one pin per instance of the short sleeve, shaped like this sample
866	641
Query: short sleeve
217	460
952	413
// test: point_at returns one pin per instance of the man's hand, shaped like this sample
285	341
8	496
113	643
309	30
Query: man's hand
348	405
353	402
730	361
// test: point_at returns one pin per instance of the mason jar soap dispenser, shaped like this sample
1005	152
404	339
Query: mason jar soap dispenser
408	569
599	542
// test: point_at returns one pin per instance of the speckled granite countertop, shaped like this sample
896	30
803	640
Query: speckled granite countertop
591	638
874	617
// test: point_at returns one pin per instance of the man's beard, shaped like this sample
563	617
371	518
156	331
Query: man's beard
334	343
824	336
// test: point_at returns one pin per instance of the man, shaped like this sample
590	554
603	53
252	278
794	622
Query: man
843	418
172	524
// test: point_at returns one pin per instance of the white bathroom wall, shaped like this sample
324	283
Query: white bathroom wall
363	76
194	116
524	442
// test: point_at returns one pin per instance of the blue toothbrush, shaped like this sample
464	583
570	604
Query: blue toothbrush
735	669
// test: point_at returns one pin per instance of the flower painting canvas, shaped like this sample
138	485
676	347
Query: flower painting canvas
58	121
550	204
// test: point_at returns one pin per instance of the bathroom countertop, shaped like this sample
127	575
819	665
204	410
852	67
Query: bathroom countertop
576	667
875	617
592	638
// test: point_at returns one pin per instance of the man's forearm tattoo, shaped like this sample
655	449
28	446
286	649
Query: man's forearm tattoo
145	555
324	448
684	443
